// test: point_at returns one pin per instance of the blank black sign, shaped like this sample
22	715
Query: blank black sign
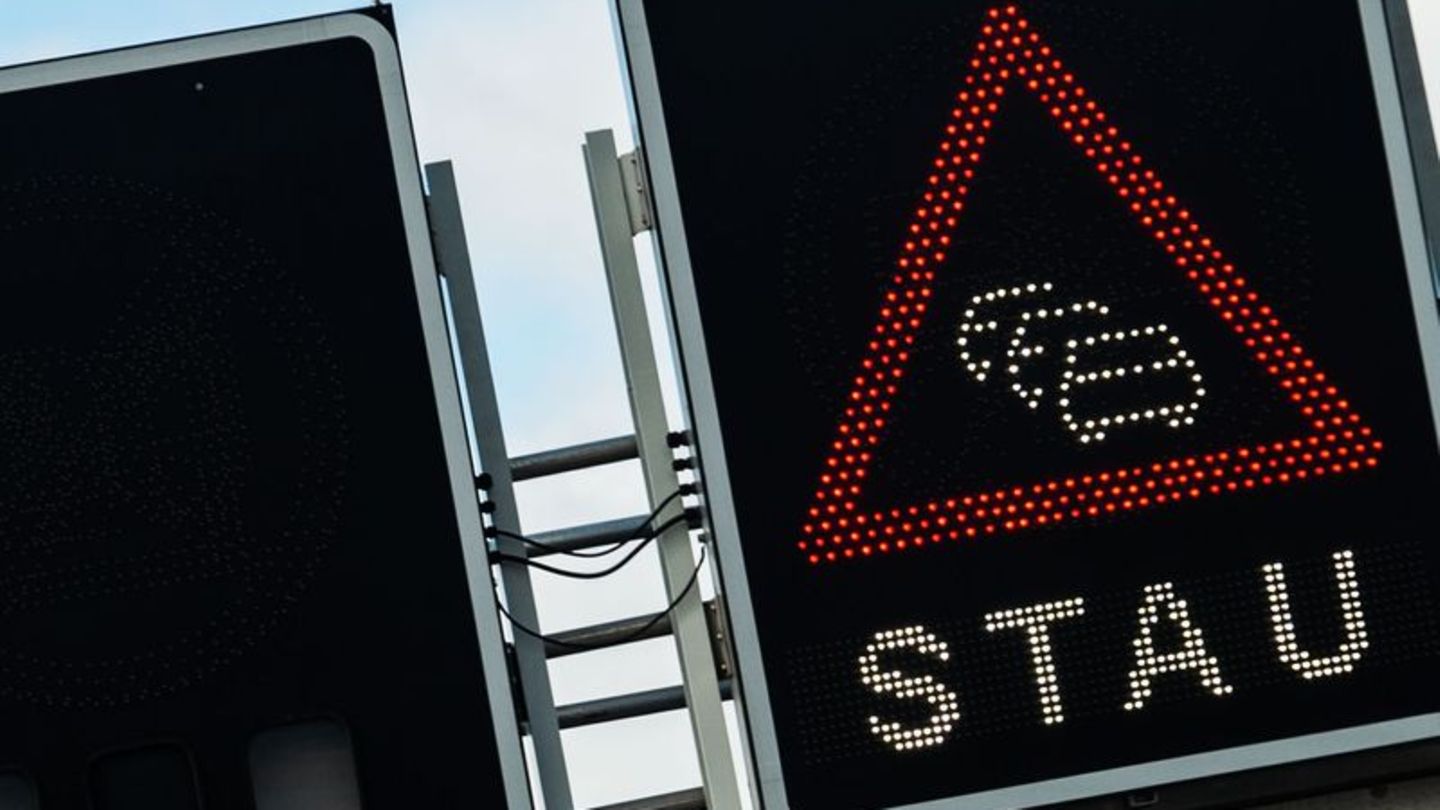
224	498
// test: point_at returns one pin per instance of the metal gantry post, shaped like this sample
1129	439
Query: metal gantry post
532	669
618	220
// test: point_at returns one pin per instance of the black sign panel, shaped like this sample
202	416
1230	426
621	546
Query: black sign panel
1060	377
234	479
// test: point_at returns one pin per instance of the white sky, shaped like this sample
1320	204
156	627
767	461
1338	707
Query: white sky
506	89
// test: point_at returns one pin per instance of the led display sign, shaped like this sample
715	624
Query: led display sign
1063	380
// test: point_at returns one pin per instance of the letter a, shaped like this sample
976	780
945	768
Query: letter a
1160	601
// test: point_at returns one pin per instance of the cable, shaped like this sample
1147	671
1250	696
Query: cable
628	637
685	489
584	555
685	517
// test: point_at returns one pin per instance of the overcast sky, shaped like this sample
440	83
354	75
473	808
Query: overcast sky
506	88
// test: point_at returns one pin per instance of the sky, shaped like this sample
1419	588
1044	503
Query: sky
507	89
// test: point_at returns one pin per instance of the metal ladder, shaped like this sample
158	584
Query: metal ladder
621	212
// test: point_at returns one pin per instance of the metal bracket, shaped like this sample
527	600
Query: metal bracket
637	192
720	637
517	686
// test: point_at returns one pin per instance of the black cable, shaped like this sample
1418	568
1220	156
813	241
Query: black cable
628	637
685	489
638	531
584	555
684	517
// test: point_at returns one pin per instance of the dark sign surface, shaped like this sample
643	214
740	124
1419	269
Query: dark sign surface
233	483
1059	382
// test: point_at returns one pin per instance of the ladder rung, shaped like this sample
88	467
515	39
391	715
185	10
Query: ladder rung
605	634
622	631
577	538
622	707
575	457
692	799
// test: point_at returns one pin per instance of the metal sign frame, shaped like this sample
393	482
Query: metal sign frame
1415	179
382	44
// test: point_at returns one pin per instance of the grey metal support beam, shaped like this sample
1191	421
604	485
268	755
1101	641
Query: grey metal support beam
454	257
577	457
692	799
613	220
635	704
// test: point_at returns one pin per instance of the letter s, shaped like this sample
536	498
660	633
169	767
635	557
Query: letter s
944	702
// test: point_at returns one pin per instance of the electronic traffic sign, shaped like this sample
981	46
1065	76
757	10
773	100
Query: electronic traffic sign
235	481
1064	379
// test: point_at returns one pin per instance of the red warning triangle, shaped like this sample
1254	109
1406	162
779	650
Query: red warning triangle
1012	59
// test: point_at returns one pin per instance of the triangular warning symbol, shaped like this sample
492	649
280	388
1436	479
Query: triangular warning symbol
1012	59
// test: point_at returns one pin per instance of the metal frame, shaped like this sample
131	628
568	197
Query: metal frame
447	392
453	255
422	262
1386	26
615	220
698	402
545	719
1418	126
695	625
